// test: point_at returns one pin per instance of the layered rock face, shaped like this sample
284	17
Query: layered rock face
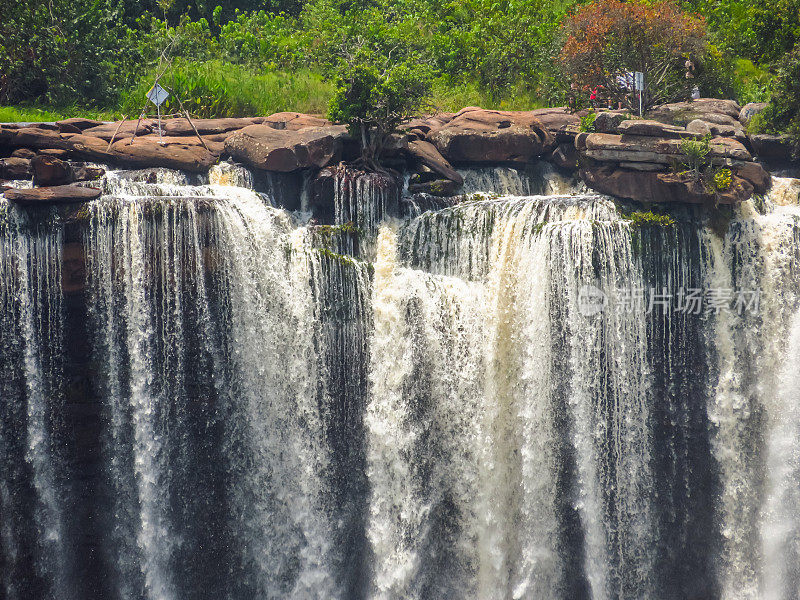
628	157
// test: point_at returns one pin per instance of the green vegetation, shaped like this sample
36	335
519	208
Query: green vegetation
587	122
649	218
259	56
696	154
723	179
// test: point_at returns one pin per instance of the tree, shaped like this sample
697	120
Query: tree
373	99
783	112
608	39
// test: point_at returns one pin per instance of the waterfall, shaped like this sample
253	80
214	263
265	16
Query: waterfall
205	394
30	341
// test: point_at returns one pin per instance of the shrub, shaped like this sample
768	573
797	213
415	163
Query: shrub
373	100
783	112
606	40
696	153
723	179
587	121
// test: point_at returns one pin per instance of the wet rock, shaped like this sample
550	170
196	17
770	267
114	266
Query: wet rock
772	147
661	187
23	153
565	156
437	187
427	154
52	195
263	147
755	174
490	136
15	168
50	171
322	192
750	110
57	152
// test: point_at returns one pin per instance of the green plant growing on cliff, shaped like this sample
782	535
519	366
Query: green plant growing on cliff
587	122
723	179
696	154
374	95
649	218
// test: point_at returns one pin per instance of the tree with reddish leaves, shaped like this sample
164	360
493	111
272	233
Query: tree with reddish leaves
606	41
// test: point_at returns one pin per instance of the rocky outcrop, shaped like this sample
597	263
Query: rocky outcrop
48	171
750	110
772	147
15	168
294	121
490	136
661	187
427	154
207	126
707	109
52	195
262	147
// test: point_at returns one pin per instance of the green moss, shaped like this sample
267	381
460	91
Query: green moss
649	218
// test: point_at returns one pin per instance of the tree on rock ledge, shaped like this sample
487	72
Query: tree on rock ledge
606	40
373	99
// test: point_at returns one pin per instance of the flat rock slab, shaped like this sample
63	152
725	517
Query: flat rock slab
126	130
149	153
475	135
646	187
642	148
80	123
295	121
285	150
59	194
30	137
208	126
650	128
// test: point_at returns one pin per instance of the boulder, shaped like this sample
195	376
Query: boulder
57	152
126	130
79	123
703	106
702	128
750	110
437	187
650	128
31	137
263	147
83	172
149	153
294	121
607	147
427	154
89	147
216	147
607	121
755	174
557	120
67	128
48	195
492	136
208	126
564	156
772	147
15	168
661	187
44	125
23	153
50	171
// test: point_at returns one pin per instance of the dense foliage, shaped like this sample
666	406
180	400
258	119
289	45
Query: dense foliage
240	56
608	40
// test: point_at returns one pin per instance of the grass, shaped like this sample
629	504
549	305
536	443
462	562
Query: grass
217	89
32	114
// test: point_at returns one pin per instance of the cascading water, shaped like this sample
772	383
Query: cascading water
203	397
